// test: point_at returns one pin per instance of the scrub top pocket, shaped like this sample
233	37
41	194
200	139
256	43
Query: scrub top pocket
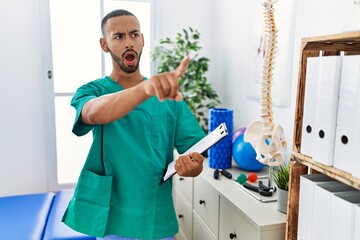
92	199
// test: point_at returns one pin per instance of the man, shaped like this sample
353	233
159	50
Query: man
136	124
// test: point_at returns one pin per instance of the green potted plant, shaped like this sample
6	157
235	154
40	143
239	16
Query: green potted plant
197	92
280	176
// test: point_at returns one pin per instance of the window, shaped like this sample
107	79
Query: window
78	59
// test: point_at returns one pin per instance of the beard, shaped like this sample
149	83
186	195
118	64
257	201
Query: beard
120	62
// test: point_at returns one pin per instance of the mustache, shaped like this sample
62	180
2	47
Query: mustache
128	51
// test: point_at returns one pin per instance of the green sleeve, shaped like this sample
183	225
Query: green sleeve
82	96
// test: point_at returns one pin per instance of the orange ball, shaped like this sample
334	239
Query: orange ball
252	177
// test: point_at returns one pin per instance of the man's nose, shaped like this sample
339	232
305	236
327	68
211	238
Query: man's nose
129	43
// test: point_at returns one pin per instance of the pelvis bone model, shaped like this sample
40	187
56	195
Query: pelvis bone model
266	138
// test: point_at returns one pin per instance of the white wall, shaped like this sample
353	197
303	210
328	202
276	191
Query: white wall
171	16
225	27
22	141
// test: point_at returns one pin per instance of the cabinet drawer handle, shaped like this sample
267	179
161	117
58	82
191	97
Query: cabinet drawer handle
181	179
181	216
232	235
202	202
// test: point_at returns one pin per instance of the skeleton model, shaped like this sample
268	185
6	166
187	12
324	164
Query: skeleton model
265	137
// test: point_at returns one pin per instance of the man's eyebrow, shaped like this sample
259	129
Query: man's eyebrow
122	33
118	33
135	31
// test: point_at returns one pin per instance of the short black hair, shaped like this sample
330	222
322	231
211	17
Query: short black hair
115	13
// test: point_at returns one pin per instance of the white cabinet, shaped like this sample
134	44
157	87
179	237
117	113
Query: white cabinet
212	209
185	186
201	230
180	235
183	200
234	225
184	214
206	204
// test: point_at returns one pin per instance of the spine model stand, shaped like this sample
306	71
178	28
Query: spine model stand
265	137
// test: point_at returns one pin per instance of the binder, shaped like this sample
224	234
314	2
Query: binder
357	223
342	215
306	194
347	141
326	110
310	99
322	204
204	144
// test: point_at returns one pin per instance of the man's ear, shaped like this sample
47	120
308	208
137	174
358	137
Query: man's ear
104	45
142	35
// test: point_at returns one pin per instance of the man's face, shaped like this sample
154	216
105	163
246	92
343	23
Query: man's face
125	42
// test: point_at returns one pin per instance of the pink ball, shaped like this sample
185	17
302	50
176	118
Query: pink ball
237	132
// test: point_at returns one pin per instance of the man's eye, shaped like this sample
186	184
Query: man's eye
118	37
135	35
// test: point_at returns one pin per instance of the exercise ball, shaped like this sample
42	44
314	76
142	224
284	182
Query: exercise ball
237	132
245	156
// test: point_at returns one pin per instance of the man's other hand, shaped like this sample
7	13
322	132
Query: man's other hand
190	165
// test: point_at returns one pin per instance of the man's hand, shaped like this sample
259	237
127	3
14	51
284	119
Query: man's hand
165	85
190	165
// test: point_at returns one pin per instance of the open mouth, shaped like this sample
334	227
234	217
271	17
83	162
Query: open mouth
130	58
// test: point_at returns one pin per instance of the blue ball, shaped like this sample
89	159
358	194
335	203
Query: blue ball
245	156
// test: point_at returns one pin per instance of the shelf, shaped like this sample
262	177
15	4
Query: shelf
333	172
330	45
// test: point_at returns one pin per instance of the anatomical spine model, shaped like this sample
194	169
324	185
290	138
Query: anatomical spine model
267	138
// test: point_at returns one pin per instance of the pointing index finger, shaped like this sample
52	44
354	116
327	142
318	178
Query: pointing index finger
181	69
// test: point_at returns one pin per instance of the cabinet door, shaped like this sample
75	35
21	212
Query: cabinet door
185	186
184	214
180	235
201	231
233	225
206	203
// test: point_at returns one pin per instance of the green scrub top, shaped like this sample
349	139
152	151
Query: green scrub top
118	191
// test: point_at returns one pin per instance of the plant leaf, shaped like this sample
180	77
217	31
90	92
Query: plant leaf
197	92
